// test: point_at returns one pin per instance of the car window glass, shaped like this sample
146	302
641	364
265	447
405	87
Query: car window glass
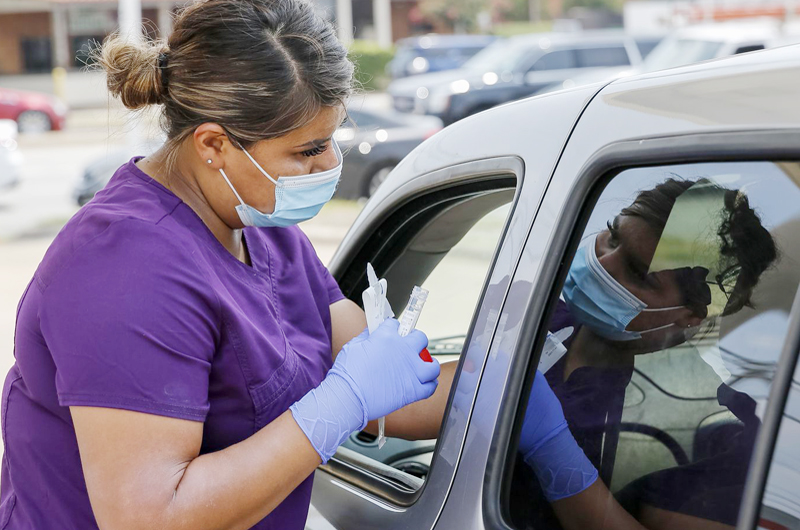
646	46
780	507
450	256
750	48
673	52
602	56
555	60
665	336
362	120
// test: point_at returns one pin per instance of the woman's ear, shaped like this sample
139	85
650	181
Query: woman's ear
689	319
211	143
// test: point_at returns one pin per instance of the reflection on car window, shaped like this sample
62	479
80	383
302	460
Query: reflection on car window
669	327
450	257
780	508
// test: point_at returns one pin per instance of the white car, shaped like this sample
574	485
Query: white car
698	43
10	157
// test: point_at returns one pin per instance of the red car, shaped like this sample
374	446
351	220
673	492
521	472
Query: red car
33	112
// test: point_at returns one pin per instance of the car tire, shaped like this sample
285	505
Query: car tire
34	121
377	179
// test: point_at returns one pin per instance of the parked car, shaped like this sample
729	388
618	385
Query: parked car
489	215
695	44
511	69
10	157
373	141
434	53
33	112
99	171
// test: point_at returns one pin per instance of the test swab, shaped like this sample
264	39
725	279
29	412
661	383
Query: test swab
408	321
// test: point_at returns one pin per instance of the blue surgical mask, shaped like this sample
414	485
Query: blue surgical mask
297	199
599	301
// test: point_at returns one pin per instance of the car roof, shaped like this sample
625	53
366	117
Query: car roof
572	38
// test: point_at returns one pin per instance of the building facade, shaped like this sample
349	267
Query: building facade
38	35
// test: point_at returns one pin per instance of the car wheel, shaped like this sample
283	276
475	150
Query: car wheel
377	179
33	121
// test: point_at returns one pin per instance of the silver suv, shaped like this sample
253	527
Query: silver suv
679	188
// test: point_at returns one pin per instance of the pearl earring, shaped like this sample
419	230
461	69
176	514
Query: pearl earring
209	160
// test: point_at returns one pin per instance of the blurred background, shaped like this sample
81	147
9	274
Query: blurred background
422	64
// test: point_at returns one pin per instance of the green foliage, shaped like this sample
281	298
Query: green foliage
370	60
509	29
461	15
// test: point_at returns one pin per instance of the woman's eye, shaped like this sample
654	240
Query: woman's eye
612	235
315	151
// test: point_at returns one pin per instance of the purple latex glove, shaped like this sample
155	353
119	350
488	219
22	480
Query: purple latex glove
373	376
549	448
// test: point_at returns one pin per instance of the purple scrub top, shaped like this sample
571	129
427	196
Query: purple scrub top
137	306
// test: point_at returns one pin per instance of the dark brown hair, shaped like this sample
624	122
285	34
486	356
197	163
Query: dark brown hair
746	248
259	68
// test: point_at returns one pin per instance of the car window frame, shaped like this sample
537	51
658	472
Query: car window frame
461	180
563	237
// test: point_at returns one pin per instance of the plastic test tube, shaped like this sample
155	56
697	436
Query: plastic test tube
408	321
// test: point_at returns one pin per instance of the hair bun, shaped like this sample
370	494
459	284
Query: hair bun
133	70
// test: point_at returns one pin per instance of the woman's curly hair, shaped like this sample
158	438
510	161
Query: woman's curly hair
746	248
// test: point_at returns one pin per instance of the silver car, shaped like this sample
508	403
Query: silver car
694	424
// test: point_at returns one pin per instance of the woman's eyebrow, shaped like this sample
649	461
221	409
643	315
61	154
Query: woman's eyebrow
315	143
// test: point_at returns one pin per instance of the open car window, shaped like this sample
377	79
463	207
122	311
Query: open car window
665	336
449	250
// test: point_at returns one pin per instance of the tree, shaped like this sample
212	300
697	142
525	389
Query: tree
461	15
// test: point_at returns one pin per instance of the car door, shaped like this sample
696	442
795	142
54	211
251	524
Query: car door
452	222
679	406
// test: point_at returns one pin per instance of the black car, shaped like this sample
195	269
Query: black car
434	53
511	69
373	142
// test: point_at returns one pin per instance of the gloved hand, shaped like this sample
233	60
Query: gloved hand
548	447
373	376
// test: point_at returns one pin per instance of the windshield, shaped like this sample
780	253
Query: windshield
678	52
501	56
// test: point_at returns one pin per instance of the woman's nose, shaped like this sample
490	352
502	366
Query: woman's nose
327	160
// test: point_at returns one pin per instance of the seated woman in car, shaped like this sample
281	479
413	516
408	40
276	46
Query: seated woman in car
657	277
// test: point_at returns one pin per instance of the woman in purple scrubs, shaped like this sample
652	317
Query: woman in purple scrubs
183	359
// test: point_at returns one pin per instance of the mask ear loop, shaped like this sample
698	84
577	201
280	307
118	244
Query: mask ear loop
657	309
261	169
231	186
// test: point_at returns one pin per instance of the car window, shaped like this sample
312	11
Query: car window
750	48
450	255
555	60
780	507
364	121
602	56
646	46
663	340
504	55
676	51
